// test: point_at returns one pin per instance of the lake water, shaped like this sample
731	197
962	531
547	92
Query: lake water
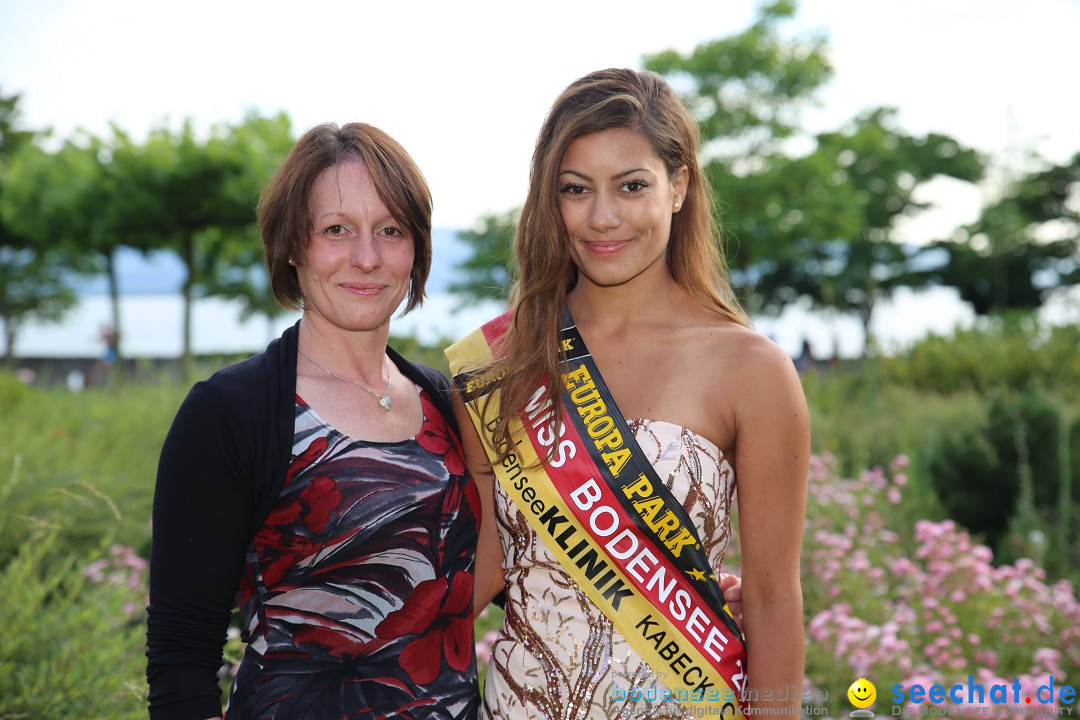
151	314
152	325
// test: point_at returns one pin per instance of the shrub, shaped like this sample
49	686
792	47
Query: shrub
980	473
1015	352
13	393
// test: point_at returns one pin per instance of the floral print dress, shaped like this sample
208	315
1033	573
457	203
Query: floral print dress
356	598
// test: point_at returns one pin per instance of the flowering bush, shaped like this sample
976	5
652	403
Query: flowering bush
923	604
911	603
73	641
123	568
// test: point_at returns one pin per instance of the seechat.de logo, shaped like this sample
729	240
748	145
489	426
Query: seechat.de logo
972	693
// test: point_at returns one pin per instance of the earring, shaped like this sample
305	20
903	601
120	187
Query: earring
678	205
291	262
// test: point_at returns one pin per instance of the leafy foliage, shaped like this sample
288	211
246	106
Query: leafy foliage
31	271
1023	247
883	167
67	201
486	274
747	90
1012	351
978	473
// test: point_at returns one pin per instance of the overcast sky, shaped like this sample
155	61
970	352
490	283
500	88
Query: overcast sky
465	85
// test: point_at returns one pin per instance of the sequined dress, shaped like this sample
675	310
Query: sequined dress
557	656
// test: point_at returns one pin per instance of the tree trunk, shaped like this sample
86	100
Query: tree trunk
114	299
866	315
188	358
9	343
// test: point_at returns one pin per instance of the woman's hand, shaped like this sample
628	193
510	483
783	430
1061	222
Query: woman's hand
731	586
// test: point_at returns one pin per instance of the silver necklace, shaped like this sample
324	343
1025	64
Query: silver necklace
384	399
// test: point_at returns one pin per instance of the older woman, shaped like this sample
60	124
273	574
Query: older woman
320	484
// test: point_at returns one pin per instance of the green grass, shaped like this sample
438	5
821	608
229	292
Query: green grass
88	457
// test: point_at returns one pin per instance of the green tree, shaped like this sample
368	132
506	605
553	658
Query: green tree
1023	247
883	168
31	269
197	196
70	197
786	227
817	225
748	90
487	273
260	144
782	215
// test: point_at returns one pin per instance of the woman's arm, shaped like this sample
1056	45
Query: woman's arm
488	578
772	449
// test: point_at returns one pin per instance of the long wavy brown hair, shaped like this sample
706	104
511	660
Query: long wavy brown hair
607	99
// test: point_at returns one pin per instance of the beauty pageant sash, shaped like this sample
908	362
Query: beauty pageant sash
600	508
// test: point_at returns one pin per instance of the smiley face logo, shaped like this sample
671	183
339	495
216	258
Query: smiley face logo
862	693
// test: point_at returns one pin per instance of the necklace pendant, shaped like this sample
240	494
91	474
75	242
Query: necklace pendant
385	402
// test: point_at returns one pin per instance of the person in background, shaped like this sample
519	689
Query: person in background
320	485
109	356
606	417
805	361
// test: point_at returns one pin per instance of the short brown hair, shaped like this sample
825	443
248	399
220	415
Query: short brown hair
284	211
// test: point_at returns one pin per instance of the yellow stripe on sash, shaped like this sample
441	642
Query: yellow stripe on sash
678	664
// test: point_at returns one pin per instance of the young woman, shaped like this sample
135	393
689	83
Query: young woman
616	404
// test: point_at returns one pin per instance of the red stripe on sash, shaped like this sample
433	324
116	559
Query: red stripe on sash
712	638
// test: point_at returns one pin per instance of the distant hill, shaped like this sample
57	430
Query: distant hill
161	273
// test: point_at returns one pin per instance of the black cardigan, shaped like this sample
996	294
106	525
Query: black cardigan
221	469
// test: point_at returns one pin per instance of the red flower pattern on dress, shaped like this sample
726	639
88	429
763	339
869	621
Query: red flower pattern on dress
313	510
439	612
301	462
436	438
318	500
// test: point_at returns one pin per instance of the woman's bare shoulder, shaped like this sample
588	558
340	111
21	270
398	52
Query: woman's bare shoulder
731	342
747	363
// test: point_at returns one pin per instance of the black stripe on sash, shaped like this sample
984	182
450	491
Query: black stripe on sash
680	543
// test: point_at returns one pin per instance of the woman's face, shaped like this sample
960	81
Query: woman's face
356	268
616	201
